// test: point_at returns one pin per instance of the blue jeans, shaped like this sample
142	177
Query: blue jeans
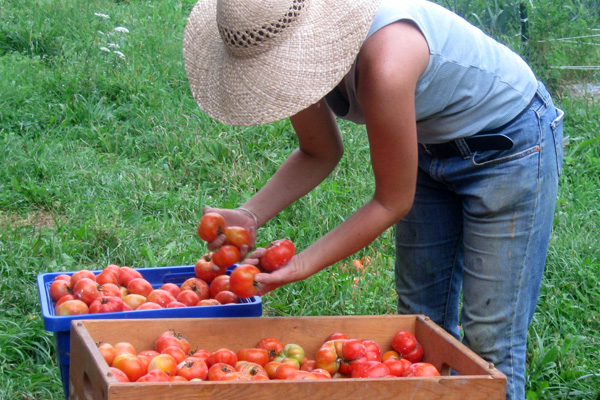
479	227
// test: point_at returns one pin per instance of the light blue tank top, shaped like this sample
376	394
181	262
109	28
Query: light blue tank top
472	83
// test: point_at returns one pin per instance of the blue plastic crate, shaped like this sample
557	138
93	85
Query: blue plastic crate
61	325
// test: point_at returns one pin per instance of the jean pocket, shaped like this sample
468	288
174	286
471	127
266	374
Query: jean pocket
557	134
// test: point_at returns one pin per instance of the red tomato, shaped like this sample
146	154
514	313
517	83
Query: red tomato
84	273
202	354
127	274
208	302
131	365
160	297
62	277
373	350
59	288
370	369
108	276
149	354
251	369
177	352
321	373
171	288
242	281
86	290
302	375
272	345
205	269
110	289
336	335
271	368
421	369
164	362
329	355
227	297
119	375
237	236
210	226
139	286
407	345
223	355
108	352
106	304
277	254
188	298
149	306
72	307
219	371
308	365
171	338
397	366
198	286
192	368
254	355
155	375
285	370
176	304
226	256
219	284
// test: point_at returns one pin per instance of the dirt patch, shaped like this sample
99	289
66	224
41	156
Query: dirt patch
37	219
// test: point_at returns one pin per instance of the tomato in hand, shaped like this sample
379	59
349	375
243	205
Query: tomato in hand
210	226
226	256
205	269
237	236
242	281
277	254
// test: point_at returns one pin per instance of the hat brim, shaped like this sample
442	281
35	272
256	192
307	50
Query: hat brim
283	80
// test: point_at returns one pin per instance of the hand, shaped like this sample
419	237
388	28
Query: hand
234	218
290	272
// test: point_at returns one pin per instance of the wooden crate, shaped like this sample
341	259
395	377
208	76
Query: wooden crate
90	377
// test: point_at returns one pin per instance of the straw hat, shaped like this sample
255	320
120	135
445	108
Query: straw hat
252	62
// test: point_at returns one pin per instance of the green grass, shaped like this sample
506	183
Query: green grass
107	159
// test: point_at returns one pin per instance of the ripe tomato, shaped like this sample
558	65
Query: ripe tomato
285	370
227	297
149	306
171	338
336	335
329	355
271	368
106	304
390	354
108	352
192	368
237	236
219	284
219	371
171	288
176	304
124	348
127	274
226	256
131	365
160	297
251	369
407	345
149	354
155	375
321	373
198	286
202	354
188	298
72	307
119	375
108	276
177	352
242	281
373	350
253	355
86	290
277	254
139	286
164	362
421	369
397	366
272	345
59	288
84	273
370	369
223	355
208	302
62	277
110	289
205	269
210	226
308	365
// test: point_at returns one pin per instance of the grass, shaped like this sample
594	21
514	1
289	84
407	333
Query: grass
105	158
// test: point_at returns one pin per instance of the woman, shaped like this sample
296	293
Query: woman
465	148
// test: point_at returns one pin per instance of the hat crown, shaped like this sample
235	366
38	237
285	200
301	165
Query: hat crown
250	27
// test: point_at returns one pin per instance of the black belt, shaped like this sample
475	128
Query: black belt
482	141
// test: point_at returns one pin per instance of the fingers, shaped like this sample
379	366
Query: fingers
218	242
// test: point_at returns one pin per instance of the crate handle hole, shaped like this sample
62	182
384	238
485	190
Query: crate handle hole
88	391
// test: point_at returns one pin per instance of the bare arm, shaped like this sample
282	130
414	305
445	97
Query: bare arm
390	64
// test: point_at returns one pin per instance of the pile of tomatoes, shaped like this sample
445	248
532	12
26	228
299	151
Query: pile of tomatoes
118	288
338	357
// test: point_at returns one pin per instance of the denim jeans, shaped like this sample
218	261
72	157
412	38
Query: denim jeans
479	228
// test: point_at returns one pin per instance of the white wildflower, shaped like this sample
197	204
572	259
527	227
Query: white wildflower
101	15
119	53
121	29
104	49
113	45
